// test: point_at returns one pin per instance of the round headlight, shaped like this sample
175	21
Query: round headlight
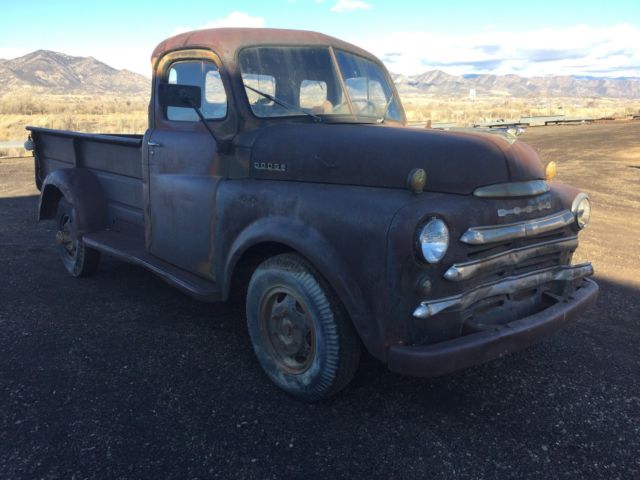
434	240
581	209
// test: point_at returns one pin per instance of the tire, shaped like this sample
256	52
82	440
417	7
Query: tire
301	333
78	260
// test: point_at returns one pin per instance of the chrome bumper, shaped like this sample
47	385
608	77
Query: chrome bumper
467	350
505	286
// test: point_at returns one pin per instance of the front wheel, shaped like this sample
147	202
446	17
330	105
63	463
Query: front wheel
78	260
300	331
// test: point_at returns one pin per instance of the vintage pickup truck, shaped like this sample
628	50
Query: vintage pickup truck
278	166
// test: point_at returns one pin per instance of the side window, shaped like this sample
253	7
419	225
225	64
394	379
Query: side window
203	74
313	93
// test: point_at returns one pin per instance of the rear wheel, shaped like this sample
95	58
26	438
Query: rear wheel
78	260
300	331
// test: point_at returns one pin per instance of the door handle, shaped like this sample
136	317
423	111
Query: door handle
151	143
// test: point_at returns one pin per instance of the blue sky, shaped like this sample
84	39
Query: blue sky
510	36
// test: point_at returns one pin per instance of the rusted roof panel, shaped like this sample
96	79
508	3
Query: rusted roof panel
227	41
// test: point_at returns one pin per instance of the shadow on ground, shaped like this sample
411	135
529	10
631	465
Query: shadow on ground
121	376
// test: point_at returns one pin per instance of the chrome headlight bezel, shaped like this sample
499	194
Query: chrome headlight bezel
433	240
581	209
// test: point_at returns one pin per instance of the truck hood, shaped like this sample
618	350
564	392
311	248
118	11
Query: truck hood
383	156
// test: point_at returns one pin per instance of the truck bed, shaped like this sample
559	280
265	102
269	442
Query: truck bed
115	159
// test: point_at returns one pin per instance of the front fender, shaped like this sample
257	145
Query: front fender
312	245
80	188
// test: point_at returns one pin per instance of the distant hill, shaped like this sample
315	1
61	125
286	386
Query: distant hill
54	72
439	83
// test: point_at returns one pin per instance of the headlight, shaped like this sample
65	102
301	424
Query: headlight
434	240
581	209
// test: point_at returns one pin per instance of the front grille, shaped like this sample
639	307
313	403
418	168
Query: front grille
502	273
475	252
536	263
502	308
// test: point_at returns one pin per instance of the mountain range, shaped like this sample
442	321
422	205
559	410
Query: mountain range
438	83
53	72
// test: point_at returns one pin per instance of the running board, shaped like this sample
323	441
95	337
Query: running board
131	249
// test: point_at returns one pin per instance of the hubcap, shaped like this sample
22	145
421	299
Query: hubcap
287	329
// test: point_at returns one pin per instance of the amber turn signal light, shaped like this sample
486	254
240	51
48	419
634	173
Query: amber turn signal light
550	170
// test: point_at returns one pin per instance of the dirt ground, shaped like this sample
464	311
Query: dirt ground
603	160
121	376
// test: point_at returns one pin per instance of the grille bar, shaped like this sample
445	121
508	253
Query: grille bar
464	271
513	189
506	286
513	231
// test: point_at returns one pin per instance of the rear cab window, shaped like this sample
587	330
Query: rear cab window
313	95
286	81
302	79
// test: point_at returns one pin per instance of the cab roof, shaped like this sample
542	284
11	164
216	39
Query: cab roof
227	41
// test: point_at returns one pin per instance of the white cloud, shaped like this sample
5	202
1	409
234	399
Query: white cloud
350	5
234	19
573	50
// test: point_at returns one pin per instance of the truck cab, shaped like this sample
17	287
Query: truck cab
278	168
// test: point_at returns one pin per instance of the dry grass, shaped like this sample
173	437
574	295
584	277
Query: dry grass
104	114
465	111
128	114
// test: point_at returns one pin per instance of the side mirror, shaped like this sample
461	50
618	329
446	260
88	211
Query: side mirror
185	96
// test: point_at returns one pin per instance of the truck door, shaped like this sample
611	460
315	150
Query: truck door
184	170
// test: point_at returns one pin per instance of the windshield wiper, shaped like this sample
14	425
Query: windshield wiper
386	109
282	103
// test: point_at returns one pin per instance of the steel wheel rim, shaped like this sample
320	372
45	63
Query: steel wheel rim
287	330
64	237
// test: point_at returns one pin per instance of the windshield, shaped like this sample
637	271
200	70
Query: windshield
294	81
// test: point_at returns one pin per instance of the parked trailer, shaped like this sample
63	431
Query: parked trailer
542	120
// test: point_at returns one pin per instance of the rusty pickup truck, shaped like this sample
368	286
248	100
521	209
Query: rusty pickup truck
278	168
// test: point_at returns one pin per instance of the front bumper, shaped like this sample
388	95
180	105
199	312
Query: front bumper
469	350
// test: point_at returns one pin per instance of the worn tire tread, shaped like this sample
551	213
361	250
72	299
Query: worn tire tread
343	344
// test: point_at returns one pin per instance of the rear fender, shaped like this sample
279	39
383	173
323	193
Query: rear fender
80	188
